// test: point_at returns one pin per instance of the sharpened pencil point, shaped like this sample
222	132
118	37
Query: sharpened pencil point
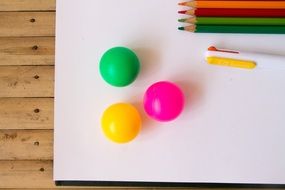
182	12
182	3
181	28
182	20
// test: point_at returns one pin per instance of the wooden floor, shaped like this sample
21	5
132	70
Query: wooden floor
27	44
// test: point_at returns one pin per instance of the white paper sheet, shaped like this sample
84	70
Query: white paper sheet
231	131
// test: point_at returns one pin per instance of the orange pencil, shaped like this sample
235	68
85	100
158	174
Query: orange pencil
235	4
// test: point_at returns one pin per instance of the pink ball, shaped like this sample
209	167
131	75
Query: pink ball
163	101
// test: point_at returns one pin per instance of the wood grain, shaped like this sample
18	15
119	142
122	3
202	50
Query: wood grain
27	5
26	174
26	81
27	51
26	113
27	24
35	174
17	48
26	144
39	174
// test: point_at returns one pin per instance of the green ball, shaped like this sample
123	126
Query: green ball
119	66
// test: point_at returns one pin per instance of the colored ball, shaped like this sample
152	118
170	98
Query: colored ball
119	66
121	122
163	101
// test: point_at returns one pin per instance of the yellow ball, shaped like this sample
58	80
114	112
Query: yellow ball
121	122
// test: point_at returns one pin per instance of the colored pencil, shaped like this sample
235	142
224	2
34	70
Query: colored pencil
233	21
218	12
234	29
236	4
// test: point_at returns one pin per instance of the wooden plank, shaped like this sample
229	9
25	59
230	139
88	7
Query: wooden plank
26	81
27	5
26	113
26	144
27	24
26	174
27	51
32	174
20	175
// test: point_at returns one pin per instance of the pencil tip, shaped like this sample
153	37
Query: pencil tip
182	3
181	28
182	20
182	12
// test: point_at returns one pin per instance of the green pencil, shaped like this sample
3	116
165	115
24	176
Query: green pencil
234	29
233	21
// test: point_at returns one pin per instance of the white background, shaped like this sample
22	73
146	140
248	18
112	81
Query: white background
233	125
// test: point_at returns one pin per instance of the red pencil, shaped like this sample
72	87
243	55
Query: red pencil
220	12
